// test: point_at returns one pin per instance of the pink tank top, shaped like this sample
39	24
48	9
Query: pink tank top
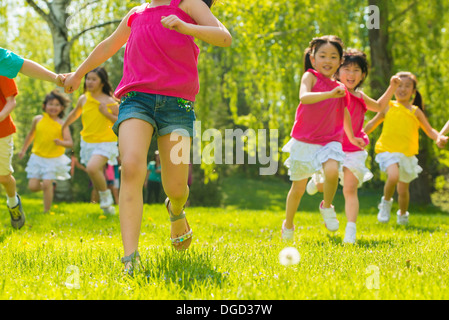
159	60
321	122
357	109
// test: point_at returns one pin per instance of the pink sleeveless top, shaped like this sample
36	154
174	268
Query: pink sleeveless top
159	60
357	109
321	122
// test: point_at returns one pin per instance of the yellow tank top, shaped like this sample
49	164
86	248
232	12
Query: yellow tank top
47	130
400	132
96	127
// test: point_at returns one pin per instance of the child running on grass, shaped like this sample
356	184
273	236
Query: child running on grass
157	91
48	162
398	145
98	110
317	135
8	92
11	64
353	171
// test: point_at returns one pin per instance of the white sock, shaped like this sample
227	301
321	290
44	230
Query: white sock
351	225
104	194
12	201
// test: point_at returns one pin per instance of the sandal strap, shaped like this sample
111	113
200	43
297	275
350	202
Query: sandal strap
174	217
182	238
131	258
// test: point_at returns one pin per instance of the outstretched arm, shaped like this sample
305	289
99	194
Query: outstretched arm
382	102
106	49
30	137
35	70
359	142
375	122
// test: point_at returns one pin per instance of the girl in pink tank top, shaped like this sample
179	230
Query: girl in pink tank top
353	171
320	122
157	91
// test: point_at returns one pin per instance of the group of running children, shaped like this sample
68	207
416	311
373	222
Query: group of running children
157	94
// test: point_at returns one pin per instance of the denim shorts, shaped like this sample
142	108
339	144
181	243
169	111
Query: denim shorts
165	113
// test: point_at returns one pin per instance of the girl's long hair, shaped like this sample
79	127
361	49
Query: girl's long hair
418	101
101	72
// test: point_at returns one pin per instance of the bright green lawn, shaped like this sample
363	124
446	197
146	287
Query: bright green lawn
234	254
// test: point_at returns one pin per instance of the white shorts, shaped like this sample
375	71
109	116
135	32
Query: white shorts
408	166
108	150
306	158
6	152
356	163
48	168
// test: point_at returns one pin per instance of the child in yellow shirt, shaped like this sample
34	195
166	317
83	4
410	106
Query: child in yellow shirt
398	145
48	161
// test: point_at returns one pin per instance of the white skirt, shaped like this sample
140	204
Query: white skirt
356	163
48	168
408	166
306	158
108	150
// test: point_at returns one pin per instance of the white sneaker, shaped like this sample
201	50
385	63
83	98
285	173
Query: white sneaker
106	199
329	217
110	210
311	187
350	233
402	219
384	210
287	234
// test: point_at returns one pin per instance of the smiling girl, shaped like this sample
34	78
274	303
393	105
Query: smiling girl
398	145
317	134
48	161
353	171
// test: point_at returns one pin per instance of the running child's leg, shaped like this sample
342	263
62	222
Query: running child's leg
47	187
403	196
330	168
9	183
175	172
134	142
34	185
392	181
293	200
350	186
95	171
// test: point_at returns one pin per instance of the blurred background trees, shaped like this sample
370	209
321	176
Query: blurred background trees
254	84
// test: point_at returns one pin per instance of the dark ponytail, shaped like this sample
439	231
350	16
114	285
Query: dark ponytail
307	61
418	101
209	3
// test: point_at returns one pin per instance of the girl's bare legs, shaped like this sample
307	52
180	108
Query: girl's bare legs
392	181
95	170
134	142
403	196
330	168
9	183
47	187
350	186
174	174
293	199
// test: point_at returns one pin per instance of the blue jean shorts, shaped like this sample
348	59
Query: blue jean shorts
165	113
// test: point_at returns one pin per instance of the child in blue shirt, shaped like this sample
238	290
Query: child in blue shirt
11	64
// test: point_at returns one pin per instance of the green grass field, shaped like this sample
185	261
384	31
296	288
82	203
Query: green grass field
74	252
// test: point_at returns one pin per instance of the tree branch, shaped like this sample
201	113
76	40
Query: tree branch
91	28
403	11
40	11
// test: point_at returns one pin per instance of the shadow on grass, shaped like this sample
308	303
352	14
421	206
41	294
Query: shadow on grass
189	269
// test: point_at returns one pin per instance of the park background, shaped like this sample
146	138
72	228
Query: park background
254	84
